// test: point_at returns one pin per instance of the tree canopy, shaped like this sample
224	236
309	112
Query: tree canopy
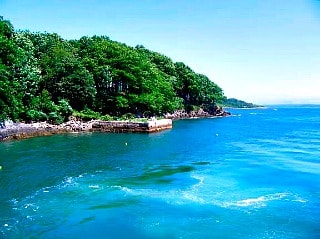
45	77
235	103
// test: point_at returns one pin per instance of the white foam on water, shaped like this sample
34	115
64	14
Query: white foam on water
31	206
96	186
198	194
193	194
299	199
200	179
187	196
14	201
147	193
30	202
69	180
173	196
262	201
122	188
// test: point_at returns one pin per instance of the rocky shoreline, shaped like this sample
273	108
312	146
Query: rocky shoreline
182	114
17	131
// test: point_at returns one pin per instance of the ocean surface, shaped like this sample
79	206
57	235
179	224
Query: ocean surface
253	175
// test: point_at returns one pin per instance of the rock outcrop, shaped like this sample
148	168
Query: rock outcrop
21	131
182	114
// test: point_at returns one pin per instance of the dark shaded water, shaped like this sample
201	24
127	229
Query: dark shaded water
253	175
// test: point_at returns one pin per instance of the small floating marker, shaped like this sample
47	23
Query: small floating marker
6	225
217	135
126	143
0	167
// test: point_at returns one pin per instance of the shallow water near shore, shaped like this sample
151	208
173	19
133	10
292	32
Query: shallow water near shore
255	174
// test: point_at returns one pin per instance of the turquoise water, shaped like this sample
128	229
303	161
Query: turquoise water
255	174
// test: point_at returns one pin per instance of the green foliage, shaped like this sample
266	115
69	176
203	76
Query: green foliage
45	77
64	109
128	116
106	117
87	114
55	118
11	104
34	115
235	103
42	103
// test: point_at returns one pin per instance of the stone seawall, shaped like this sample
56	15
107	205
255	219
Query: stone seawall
16	131
127	126
158	125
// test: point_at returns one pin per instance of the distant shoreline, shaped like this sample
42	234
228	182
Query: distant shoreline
247	108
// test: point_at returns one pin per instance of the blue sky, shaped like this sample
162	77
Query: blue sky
265	51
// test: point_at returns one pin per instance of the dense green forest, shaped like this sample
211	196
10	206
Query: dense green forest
45	77
235	103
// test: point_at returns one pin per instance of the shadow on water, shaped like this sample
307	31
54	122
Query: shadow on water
158	175
114	204
87	219
165	170
201	163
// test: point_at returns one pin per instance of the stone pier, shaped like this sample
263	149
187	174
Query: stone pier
127	126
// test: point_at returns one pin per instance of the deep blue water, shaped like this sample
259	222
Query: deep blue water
253	175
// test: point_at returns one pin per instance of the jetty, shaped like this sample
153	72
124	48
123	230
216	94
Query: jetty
16	131
127	126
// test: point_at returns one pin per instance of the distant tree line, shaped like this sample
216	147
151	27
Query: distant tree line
235	103
45	77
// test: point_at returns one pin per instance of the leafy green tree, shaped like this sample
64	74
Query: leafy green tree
44	77
126	80
184	84
10	60
64	76
64	109
232	102
27	72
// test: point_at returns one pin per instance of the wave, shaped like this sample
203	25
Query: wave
189	197
82	188
199	195
86	190
258	201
